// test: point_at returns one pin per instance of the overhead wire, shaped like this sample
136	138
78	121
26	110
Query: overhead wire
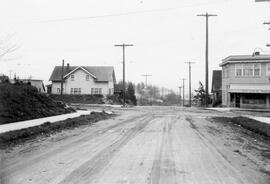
122	14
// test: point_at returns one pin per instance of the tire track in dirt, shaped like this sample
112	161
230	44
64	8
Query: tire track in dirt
222	158
164	168
7	170
87	171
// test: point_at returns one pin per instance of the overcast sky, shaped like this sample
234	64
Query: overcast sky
165	35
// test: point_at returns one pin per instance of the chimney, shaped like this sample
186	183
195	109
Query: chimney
67	67
256	53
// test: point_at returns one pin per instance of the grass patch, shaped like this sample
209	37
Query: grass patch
247	123
19	136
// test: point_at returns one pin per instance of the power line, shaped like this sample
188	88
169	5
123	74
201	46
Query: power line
121	14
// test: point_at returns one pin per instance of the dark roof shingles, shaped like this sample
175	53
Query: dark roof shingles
103	73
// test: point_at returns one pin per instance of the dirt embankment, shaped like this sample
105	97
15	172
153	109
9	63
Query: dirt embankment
20	102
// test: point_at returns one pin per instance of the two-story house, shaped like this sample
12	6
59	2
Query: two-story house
83	80
246	81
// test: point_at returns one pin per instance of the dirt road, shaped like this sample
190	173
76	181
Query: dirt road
145	146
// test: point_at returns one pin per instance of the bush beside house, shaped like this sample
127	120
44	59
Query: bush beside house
84	99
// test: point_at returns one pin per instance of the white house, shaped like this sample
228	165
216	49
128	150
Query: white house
83	80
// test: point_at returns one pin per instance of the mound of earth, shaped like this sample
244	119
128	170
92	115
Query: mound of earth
20	102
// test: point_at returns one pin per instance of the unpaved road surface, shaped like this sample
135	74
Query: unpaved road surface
151	145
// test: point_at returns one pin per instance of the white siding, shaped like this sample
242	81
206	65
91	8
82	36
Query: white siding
81	82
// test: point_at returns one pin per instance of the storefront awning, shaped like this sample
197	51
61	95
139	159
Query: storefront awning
249	88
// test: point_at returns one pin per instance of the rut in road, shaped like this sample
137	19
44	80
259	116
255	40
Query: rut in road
159	146
63	147
11	172
164	168
87	171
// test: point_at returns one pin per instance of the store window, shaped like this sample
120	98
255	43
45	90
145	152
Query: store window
238	70
254	99
248	69
257	69
268	69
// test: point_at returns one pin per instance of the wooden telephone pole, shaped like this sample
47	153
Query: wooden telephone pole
146	76
183	79
62	79
206	55
124	68
180	87
189	66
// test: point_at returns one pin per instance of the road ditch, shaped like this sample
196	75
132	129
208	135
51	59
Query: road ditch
13	138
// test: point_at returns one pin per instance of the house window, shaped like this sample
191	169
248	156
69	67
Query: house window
87	77
71	91
96	91
77	91
248	69
72	77
58	90
238	70
257	69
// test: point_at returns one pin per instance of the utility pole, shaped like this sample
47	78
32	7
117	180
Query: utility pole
10	74
62	78
267	23
146	75
206	55
124	68
180	87
183	91
189	66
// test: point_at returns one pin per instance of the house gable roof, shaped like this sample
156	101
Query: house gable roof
101	73
79	67
216	80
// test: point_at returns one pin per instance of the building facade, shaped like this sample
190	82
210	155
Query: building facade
83	80
246	81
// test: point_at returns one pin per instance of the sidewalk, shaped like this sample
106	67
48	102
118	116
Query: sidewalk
261	119
34	122
258	118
